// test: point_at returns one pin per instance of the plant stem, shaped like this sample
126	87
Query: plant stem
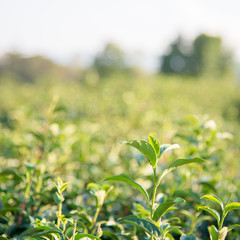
222	220
59	213
154	191
95	218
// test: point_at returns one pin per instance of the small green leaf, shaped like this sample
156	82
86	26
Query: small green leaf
211	211
162	208
213	232
146	225
231	206
69	232
187	237
100	195
167	147
178	163
64	186
57	198
83	235
215	199
155	144
3	238
41	232
146	149
230	228
126	179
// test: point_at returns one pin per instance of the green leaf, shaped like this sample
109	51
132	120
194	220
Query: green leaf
178	163
57	198
126	179
230	228
213	212
69	232
64	186
213	232
187	237
155	143
146	149
231	206
222	234
217	235
83	235
93	187
162	208
3	238
100	195
41	232
215	199
146	225
167	147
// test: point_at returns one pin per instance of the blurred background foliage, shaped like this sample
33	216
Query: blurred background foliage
69	121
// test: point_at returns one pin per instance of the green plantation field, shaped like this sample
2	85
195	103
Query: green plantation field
70	170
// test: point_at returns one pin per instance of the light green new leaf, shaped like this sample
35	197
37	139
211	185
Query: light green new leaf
162	208
167	147
83	235
178	163
231	206
146	225
211	211
217	235
215	199
187	237
146	149
213	232
222	234
64	186
155	144
126	179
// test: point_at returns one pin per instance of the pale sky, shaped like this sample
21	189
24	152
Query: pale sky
62	29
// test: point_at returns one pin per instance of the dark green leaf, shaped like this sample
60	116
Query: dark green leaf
162	208
187	237
83	235
40	231
146	225
146	149
126	179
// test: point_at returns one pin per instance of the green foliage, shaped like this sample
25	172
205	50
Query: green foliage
221	232
47	142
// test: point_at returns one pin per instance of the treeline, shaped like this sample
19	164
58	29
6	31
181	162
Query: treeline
204	56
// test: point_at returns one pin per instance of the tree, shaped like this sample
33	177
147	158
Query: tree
177	58
109	61
205	56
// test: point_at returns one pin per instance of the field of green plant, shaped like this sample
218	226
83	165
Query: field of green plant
150	158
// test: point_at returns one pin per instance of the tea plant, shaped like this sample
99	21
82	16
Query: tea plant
219	233
152	222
